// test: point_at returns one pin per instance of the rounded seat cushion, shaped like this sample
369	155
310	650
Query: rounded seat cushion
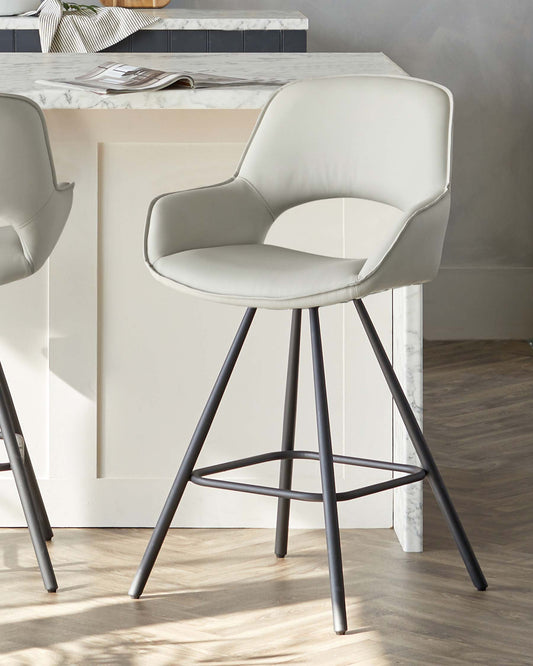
261	275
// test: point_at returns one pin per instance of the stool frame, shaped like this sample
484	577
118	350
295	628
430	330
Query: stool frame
329	496
26	482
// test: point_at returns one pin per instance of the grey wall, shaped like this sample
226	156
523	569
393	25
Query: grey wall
483	51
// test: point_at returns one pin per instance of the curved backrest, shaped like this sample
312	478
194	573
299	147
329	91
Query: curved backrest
382	138
33	207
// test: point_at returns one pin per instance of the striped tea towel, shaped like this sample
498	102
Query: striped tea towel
86	31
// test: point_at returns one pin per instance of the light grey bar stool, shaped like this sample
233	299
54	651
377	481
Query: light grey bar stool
33	212
379	138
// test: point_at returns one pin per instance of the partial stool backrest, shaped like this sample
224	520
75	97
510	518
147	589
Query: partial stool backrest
33	207
381	138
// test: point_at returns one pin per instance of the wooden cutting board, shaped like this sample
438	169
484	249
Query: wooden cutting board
135	3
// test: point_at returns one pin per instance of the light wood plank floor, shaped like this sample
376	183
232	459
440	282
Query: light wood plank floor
220	598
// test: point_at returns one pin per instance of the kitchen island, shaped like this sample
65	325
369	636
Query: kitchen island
110	369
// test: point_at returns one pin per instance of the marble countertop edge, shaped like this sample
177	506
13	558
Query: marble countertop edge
190	19
19	72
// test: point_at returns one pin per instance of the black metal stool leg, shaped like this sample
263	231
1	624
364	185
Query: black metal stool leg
25	492
423	451
289	425
184	473
336	576
42	516
30	474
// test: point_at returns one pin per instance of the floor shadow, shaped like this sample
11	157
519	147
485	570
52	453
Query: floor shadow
155	609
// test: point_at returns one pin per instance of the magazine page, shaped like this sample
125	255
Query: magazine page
113	78
117	77
216	81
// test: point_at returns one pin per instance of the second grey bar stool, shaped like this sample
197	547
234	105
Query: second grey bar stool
33	210
380	138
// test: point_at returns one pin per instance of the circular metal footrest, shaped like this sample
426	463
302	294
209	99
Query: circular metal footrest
200	476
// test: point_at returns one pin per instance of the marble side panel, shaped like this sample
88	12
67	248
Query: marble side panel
408	362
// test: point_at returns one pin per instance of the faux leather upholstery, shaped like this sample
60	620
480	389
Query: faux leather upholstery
265	273
380	138
33	206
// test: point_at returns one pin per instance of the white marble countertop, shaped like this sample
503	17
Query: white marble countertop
196	19
19	71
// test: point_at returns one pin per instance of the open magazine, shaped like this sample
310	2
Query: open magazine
111	78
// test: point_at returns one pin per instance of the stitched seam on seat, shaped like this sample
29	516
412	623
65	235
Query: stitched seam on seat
30	220
254	189
272	299
20	227
166	194
407	223
239	299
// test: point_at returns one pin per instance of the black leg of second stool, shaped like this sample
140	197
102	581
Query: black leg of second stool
336	577
191	456
30	474
424	453
25	493
289	426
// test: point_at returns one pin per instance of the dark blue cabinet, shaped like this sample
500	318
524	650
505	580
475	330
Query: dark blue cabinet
179	41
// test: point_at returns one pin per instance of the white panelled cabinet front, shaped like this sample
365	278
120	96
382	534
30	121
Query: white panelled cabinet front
110	370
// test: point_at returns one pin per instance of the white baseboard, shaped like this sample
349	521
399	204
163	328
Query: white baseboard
479	303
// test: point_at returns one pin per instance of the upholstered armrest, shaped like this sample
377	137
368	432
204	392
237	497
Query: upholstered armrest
39	234
229	213
412	255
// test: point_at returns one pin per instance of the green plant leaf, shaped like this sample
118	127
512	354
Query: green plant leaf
73	7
